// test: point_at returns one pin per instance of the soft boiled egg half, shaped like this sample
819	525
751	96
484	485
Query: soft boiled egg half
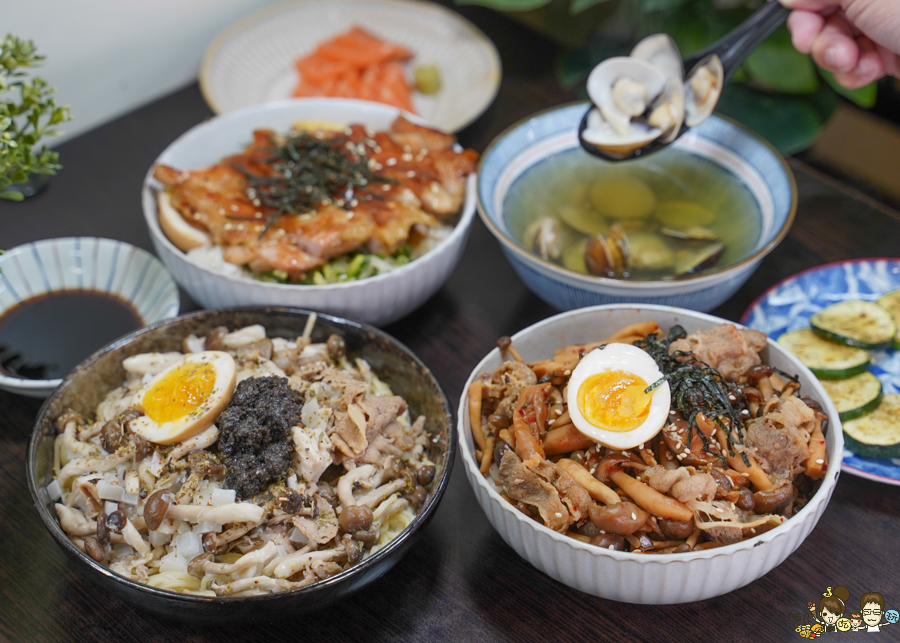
608	398
186	398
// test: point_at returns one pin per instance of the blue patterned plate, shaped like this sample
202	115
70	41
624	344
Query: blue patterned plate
789	304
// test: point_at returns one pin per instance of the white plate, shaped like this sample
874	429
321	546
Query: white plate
789	304
253	61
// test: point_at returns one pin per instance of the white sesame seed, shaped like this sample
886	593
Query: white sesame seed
820	461
411	173
559	411
633	516
558	515
745	412
613	547
672	412
641	446
567	372
406	156
391	161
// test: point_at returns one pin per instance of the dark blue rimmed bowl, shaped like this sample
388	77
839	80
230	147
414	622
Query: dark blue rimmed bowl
86	386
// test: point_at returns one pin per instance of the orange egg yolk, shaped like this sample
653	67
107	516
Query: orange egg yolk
614	400
180	392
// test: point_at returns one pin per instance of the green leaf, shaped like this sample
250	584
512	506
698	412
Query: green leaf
12	196
578	6
864	96
507	5
777	65
790	123
648	6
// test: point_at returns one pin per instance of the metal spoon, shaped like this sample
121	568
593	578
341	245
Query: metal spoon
732	50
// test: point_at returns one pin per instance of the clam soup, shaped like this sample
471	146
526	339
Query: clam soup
667	216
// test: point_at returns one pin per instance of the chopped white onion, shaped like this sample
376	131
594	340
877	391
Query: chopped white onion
223	497
183	527
108	491
158	538
298	536
172	563
157	464
129	498
54	491
188	545
122	550
281	550
110	507
120	472
206	527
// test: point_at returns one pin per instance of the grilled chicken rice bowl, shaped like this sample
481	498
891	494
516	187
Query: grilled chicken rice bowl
320	204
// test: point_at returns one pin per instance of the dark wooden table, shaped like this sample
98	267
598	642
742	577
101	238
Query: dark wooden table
461	582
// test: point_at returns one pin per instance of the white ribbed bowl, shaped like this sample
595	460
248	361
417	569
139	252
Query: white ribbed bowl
83	263
377	300
635	578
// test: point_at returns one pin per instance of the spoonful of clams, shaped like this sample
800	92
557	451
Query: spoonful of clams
644	101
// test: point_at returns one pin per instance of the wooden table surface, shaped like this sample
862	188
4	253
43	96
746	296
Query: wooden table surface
461	581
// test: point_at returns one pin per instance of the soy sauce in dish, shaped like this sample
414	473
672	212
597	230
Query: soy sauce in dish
45	337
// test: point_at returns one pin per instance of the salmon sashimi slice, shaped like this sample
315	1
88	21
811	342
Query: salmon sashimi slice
356	64
361	48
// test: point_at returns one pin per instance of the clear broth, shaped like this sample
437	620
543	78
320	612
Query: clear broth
566	179
45	337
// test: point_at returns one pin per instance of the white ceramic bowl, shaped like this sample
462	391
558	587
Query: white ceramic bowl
535	139
83	263
623	576
377	300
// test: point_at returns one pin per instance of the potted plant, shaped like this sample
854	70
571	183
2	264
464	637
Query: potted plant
28	113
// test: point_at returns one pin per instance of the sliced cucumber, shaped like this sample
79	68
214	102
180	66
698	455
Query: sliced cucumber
826	359
891	302
863	324
854	396
877	435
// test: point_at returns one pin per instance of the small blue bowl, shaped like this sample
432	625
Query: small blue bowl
537	138
83	263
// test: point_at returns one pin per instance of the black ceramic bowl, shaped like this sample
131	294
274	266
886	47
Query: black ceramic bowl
86	386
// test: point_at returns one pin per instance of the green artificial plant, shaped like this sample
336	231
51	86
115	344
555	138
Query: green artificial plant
28	113
778	92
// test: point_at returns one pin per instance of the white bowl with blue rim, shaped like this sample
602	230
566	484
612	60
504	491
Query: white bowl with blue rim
83	263
538	138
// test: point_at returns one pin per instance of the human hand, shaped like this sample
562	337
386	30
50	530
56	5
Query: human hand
857	40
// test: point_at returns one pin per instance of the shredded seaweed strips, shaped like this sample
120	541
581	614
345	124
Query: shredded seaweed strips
698	388
308	171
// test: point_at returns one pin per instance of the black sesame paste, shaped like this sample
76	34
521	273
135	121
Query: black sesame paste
255	439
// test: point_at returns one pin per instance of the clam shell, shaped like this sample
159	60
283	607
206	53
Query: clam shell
662	52
702	90
605	75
